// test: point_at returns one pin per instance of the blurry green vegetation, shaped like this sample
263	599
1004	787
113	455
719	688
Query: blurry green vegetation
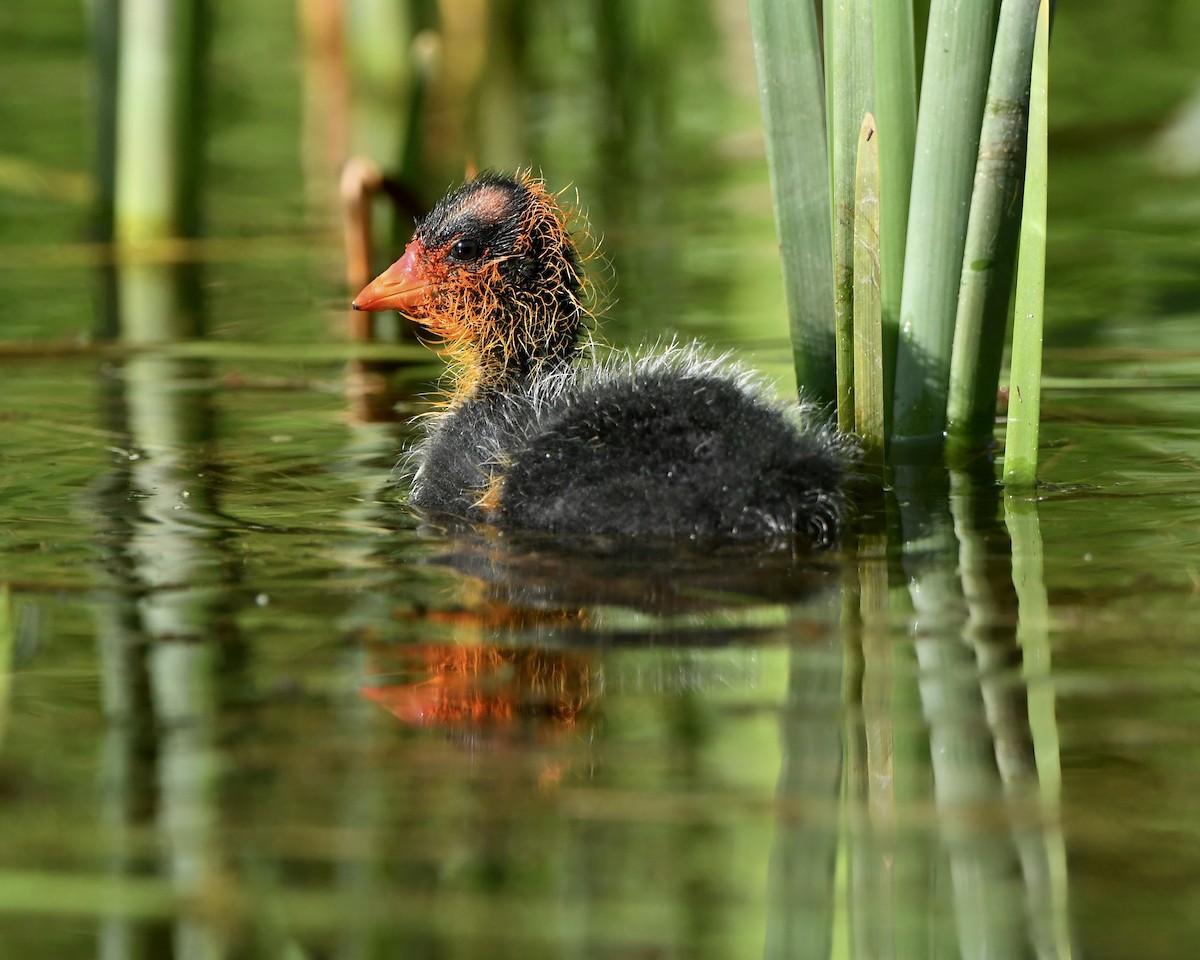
44	52
665	146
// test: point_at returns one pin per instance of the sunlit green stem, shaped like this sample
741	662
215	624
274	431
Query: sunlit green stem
990	254
957	54
1025	385
894	52
787	51
852	89
868	329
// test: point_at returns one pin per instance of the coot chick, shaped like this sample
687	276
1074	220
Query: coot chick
674	443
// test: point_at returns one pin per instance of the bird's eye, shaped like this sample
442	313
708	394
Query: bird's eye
465	250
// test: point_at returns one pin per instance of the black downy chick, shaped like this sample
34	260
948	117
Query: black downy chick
673	443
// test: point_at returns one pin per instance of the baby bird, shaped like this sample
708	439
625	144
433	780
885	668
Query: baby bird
675	443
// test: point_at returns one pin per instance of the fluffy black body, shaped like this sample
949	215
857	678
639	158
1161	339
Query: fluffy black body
672	445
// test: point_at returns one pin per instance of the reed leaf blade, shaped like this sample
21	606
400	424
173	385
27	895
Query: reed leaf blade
868	323
957	60
787	52
894	55
1025	384
992	231
852	86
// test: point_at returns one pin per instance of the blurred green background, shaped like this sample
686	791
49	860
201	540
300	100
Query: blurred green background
648	110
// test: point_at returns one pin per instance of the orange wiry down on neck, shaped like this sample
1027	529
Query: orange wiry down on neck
497	332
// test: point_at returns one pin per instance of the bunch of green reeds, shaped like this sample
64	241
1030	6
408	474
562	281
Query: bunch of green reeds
902	222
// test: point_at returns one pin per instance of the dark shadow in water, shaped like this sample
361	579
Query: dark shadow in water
659	577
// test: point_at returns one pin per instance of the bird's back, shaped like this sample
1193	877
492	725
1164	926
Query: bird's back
673	444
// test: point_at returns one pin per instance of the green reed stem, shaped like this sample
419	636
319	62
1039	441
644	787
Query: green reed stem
957	57
868	319
894	51
787	51
1025	384
990	255
852	87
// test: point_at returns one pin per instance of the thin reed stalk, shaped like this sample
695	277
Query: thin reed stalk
852	88
787	51
990	256
957	56
868	321
894	54
1025	385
